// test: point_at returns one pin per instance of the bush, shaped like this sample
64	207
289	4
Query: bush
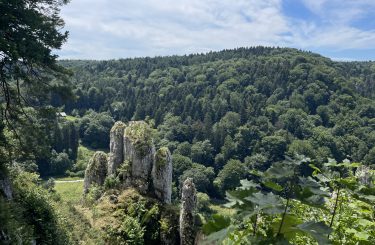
35	209
111	182
60	162
130	232
203	202
95	192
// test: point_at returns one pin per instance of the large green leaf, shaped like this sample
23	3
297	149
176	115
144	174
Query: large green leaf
268	203
247	185
273	185
350	182
217	237
237	197
322	178
317	230
215	224
310	185
288	228
280	170
359	235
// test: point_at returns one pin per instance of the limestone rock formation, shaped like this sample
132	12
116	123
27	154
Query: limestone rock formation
133	160
363	173
139	153
96	170
116	155
187	213
162	175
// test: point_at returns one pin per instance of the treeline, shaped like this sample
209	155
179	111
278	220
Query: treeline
224	112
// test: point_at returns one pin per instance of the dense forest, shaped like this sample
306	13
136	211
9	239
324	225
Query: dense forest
225	112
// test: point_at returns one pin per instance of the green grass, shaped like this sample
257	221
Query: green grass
67	178
219	209
69	191
71	118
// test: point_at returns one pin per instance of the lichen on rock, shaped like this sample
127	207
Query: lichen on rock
187	213
96	170
162	175
116	155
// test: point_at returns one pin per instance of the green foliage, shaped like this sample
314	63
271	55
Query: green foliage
32	213
288	205
370	157
130	232
217	223
60	162
83	157
94	129
180	164
111	182
161	157
140	134
229	177
201	152
201	175
135	219
95	192
236	104
203	202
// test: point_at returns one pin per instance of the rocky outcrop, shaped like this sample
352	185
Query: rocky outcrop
96	170
363	173
162	175
116	147
133	161
187	213
139	154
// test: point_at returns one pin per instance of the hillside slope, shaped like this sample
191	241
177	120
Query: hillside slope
236	109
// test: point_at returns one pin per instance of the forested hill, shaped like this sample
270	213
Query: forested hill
247	107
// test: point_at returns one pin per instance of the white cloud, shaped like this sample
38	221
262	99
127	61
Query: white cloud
103	29
340	11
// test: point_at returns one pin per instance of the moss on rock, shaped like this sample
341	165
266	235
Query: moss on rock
140	135
118	126
96	170
161	157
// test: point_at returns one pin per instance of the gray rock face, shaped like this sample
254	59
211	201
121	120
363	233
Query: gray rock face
364	175
116	155
139	153
5	186
187	213
96	170
162	175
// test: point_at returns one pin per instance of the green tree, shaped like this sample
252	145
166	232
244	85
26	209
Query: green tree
370	157
274	147
202	152
229	177
180	164
30	30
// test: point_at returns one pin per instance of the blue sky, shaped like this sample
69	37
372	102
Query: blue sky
111	29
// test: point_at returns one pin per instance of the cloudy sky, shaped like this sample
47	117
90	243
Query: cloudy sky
111	29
